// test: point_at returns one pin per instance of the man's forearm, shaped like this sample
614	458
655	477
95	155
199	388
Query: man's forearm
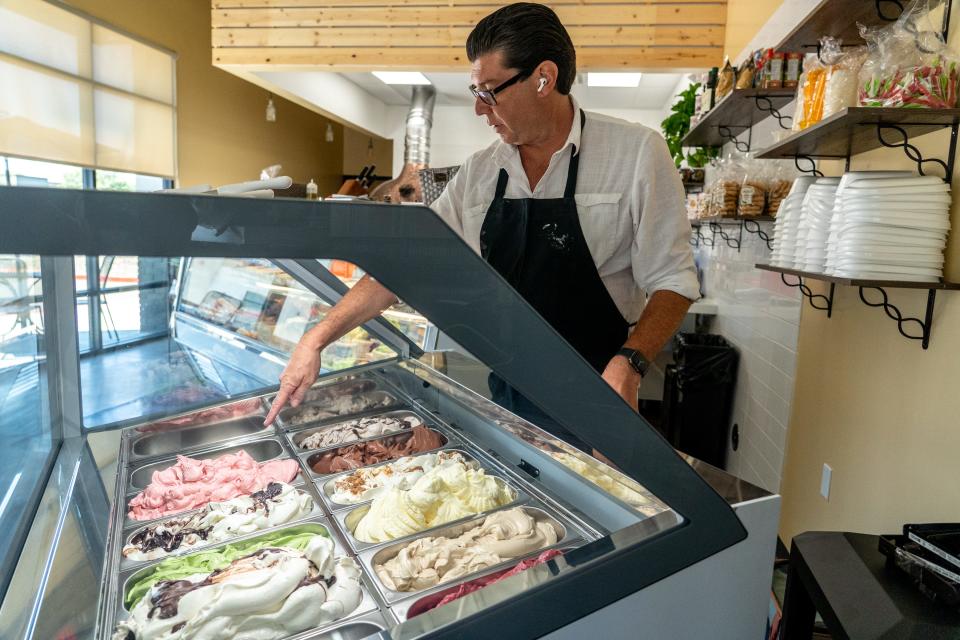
366	300
659	321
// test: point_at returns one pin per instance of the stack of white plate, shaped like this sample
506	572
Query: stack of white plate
890	228
836	220
785	227
817	208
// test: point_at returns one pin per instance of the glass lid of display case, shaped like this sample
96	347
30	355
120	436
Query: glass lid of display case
252	279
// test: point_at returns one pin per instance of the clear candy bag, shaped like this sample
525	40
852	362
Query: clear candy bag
908	64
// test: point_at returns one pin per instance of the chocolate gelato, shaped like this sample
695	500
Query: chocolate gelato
417	440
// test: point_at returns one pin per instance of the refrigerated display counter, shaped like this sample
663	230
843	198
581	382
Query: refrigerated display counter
247	314
395	502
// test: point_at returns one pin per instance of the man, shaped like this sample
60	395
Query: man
582	214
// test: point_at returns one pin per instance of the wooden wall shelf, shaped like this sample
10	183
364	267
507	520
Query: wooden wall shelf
855	130
736	112
825	302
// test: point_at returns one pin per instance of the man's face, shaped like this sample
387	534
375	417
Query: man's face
517	106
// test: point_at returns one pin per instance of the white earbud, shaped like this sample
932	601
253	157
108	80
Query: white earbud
543	83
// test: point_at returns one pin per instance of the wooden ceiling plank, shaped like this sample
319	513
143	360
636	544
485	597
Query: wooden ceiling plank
574	15
272	4
455	36
454	59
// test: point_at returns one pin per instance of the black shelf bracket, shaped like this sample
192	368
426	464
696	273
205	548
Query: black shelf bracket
763	103
706	241
752	226
894	314
697	237
813	298
911	151
813	165
729	136
732	242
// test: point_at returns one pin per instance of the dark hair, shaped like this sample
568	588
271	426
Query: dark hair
527	34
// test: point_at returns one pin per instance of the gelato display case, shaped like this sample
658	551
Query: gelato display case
247	314
395	501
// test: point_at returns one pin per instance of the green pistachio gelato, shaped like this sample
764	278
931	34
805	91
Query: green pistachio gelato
207	561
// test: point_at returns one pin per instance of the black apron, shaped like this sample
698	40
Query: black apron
538	246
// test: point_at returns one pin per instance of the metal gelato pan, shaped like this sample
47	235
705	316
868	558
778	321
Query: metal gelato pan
321	411
311	458
259	450
320	525
348	519
402	609
357	628
129	523
335	387
566	537
126	563
187	439
328	488
232	410
296	438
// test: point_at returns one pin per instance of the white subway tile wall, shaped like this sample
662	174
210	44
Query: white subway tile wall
760	316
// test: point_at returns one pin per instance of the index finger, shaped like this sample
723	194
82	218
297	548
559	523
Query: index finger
278	403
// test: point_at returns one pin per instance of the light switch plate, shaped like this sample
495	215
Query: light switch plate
825	477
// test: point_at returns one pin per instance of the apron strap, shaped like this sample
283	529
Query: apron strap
573	170
501	185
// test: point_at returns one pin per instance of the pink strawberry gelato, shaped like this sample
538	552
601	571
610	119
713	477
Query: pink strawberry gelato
191	483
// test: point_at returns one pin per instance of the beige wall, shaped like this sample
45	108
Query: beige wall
744	19
884	413
357	153
222	135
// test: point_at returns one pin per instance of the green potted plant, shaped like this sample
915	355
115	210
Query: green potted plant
676	126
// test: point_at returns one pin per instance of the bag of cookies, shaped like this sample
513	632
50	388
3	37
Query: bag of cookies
778	187
726	190
751	200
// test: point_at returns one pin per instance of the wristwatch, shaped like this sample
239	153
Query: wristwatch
639	363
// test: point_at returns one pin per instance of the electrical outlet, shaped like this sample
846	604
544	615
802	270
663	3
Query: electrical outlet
825	477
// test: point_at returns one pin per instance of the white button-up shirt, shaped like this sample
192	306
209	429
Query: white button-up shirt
629	197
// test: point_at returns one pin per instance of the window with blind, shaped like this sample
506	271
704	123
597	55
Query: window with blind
75	91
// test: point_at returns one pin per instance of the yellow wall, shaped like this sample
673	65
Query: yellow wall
744	19
357	153
222	135
884	413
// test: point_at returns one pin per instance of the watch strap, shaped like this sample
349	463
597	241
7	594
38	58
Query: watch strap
636	359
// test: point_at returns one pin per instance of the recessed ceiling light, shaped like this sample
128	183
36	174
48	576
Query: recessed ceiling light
613	79
401	77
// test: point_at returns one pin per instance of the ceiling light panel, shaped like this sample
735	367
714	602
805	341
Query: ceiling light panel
401	77
613	79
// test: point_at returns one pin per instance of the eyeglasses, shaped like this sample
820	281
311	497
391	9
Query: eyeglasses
488	97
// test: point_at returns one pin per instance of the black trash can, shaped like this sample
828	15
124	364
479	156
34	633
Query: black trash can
698	396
